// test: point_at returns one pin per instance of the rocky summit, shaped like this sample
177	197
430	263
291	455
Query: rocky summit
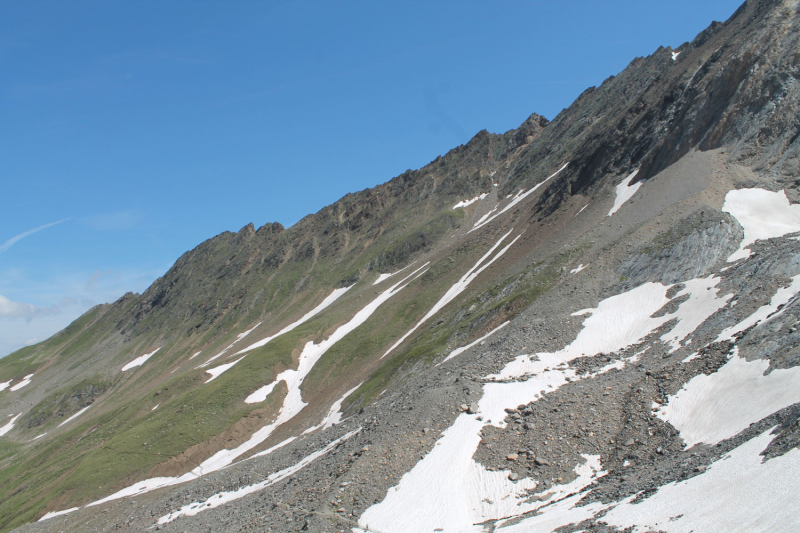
585	324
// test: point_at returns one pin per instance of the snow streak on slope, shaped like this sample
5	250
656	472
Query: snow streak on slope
238	338
447	489
332	297
578	268
73	417
4	385
738	493
54	514
517	199
703	302
463	349
8	427
334	415
465	203
384	277
292	403
458	287
625	192
139	361
225	497
218	370
24	382
781	297
763	215
711	408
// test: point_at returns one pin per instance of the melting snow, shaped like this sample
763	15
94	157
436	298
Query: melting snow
139	361
292	403
238	338
57	513
195	355
5	384
225	497
581	211
465	203
781	297
334	415
24	382
332	297
624	192
517	199
763	215
448	490
578	269
463	349
711	408
8	427
383	277
702	303
739	493
156	407
675	55
218	370
73	417
458	287
39	436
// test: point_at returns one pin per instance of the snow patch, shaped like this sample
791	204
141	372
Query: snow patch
781	297
578	269
4	385
581	211
702	303
458	287
332	297
334	415
218	370
25	381
8	427
139	361
73	417
195	355
763	215
517	199
39	436
238	338
675	55
54	514
711	408
625	192
223	498
383	277
738	493
463	349
465	203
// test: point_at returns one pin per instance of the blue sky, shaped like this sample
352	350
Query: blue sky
133	131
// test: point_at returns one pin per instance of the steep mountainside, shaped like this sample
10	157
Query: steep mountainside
588	324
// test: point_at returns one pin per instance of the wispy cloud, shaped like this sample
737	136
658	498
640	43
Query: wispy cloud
13	240
12	309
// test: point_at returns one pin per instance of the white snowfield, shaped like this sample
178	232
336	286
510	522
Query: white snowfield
139	361
625	191
218	370
292	403
4	385
578	268
781	297
332	297
8	427
54	514
465	203
384	277
25	381
763	215
521	195
334	415
226	497
312	352
73	417
458	287
223	352
448	491
463	349
711	408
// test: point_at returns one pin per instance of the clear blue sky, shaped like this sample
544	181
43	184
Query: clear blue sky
144	128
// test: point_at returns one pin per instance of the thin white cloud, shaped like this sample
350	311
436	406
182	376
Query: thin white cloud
12	309
13	240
